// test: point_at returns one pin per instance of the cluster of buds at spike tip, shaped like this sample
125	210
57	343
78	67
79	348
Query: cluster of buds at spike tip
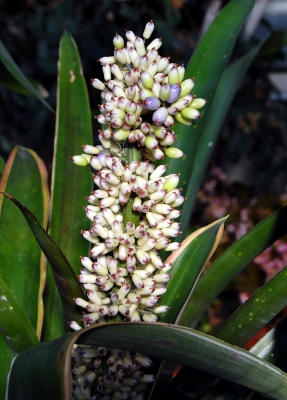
143	95
111	373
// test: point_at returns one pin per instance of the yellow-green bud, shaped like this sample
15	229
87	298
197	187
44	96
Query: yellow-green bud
173	152
197	103
173	76
118	42
171	182
186	87
190	113
80	160
184	121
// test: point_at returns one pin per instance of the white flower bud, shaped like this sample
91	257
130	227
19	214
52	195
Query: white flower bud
142	256
159	291
87	278
107	60
107	72
139	45
120	56
150	318
107	286
96	83
132	54
173	214
117	72
75	326
100	269
97	249
149	28
156	261
155	44
172	246
137	204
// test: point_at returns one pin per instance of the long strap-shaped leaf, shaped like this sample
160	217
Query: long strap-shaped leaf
13	68
240	327
231	262
269	348
187	264
227	87
163	341
70	184
14	323
65	278
206	66
22	264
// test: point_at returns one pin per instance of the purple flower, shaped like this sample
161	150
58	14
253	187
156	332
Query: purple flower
175	90
151	103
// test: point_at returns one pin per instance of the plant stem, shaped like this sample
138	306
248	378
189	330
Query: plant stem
133	154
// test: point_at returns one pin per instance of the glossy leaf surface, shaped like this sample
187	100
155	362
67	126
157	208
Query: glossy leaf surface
269	348
187	264
19	76
206	66
246	321
66	281
14	323
225	92
71	184
168	342
231	262
22	263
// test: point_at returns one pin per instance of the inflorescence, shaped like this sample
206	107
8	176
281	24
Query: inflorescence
134	205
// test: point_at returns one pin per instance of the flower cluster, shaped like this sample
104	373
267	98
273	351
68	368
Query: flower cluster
134	272
145	97
121	372
132	208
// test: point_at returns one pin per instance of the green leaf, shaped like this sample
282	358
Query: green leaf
187	264
182	345
18	74
16	332
2	167
249	318
206	66
231	262
275	42
8	80
227	87
269	348
66	281
71	184
22	263
253	314
14	323
7	356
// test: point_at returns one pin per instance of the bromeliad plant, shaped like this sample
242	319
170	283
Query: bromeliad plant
125	286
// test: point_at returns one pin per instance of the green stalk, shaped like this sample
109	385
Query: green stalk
133	154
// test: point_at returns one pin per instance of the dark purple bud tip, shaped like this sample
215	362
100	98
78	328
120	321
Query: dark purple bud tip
151	103
175	90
